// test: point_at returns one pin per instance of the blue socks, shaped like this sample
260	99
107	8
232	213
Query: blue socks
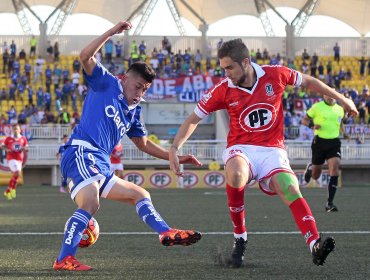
73	233
150	216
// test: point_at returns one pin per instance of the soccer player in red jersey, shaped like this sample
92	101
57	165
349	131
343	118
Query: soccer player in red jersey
15	147
252	95
115	160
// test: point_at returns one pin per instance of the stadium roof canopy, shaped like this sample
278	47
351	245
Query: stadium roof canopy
353	12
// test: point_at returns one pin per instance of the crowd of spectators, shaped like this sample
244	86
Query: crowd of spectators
43	84
51	88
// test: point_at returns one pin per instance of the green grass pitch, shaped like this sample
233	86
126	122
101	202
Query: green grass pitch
31	233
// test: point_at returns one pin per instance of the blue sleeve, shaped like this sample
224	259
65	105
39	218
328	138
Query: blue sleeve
100	78
137	128
61	149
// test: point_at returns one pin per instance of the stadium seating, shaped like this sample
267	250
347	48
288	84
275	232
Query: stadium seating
351	63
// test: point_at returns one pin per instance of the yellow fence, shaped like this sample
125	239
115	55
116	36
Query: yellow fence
5	177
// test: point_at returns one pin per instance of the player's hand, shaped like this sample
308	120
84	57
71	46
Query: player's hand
174	162
349	107
190	159
316	126
121	26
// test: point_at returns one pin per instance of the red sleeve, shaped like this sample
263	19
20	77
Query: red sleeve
213	100
290	76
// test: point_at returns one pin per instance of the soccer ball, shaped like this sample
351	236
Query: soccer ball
90	234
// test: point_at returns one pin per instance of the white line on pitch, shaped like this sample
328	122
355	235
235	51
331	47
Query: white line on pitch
205	233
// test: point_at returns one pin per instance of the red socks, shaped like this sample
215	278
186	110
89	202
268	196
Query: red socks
304	220
13	182
235	201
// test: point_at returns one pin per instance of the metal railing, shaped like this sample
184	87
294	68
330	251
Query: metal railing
56	131
49	131
41	154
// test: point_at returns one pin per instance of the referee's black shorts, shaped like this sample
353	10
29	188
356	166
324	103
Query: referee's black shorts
323	149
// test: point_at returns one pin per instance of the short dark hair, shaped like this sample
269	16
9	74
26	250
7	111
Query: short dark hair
235	49
143	69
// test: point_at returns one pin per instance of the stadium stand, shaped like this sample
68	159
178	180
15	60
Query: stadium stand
46	127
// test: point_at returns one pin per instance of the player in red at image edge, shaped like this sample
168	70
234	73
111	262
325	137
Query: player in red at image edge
15	146
252	95
111	110
116	162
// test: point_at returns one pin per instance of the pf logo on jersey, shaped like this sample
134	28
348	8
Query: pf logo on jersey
258	117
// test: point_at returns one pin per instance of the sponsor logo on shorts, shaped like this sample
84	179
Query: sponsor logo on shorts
235	151
93	169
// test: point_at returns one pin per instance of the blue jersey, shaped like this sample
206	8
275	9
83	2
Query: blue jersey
106	116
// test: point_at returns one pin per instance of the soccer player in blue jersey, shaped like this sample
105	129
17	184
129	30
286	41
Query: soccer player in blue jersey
111	110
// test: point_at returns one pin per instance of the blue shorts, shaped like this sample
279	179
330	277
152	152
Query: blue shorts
82	164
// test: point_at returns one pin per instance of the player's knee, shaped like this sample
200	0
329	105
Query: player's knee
144	194
236	178
93	207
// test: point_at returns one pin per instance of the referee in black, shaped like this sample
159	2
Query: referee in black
326	118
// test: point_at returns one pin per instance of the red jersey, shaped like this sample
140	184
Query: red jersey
256	115
16	145
117	152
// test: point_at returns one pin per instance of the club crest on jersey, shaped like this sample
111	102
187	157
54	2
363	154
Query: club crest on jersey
269	89
120	96
258	117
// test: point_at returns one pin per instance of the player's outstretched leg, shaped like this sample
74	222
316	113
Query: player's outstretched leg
72	236
321	249
167	236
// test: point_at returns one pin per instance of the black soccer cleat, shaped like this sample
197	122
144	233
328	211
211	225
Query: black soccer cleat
322	249
308	172
237	255
331	208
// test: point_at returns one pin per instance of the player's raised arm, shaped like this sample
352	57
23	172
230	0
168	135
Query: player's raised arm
318	86
87	55
184	132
